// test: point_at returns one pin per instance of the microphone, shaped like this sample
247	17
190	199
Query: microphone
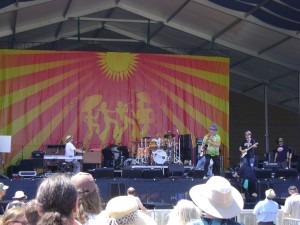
79	142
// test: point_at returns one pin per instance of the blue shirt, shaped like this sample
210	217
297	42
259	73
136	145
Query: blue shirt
266	211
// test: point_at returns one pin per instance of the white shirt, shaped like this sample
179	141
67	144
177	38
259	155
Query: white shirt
69	151
266	211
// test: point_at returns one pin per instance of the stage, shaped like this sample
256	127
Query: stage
157	186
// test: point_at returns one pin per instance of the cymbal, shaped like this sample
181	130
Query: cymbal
147	137
169	135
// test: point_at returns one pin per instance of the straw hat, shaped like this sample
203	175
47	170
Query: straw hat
124	210
68	137
19	195
270	193
217	198
84	181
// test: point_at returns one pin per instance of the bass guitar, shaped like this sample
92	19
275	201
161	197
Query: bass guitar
247	149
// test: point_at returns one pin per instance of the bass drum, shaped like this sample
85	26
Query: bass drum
160	156
129	162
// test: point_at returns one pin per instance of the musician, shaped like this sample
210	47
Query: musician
282	153
213	142
158	140
247	143
70	151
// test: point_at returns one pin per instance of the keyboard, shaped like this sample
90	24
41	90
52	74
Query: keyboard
78	157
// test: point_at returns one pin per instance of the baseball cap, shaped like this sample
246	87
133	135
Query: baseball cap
213	127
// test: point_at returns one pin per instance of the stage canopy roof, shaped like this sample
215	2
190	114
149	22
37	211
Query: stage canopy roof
261	37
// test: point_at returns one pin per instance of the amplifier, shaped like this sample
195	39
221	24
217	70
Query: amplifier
37	155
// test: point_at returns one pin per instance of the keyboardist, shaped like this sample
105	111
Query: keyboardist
70	150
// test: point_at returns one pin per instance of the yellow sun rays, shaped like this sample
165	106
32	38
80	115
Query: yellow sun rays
118	66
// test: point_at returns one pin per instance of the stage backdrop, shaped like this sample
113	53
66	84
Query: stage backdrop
105	98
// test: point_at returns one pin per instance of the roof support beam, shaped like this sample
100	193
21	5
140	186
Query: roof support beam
65	12
102	39
207	37
113	20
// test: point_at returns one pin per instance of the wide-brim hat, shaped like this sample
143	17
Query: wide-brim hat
19	195
125	208
217	198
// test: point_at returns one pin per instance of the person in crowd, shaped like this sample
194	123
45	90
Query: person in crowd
18	200
57	201
89	200
183	212
14	216
282	154
3	189
213	142
248	179
218	200
123	210
31	212
266	210
70	151
247	149
131	193
292	204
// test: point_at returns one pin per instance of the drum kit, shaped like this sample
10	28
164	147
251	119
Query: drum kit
157	150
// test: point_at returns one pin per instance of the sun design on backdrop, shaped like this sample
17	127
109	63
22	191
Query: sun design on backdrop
118	66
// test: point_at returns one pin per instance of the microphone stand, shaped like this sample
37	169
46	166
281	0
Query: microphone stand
177	158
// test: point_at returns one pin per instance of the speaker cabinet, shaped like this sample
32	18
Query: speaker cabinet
26	165
132	173
152	173
104	173
185	141
176	170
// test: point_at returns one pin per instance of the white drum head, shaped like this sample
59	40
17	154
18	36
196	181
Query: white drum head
160	156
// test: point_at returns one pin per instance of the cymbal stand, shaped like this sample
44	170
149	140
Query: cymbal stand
177	154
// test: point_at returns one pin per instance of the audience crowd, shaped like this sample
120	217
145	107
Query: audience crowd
62	199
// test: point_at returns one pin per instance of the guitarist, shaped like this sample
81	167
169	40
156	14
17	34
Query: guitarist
245	145
213	142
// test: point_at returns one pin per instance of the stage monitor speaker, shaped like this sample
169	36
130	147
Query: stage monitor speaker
286	173
152	173
176	170
26	165
104	173
198	173
132	173
263	173
116	189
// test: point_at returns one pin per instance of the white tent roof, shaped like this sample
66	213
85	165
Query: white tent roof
261	37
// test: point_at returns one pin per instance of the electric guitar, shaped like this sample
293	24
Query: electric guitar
247	149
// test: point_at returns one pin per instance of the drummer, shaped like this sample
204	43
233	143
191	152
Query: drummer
158	140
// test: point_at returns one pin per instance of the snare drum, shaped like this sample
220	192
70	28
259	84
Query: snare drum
159	156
